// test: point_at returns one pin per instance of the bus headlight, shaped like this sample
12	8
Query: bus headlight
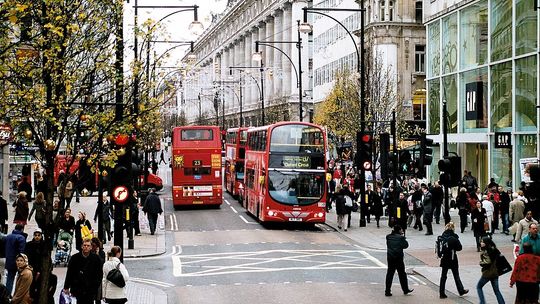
320	214
271	213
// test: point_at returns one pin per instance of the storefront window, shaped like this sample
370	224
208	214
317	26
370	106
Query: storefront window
526	152
501	29
501	96
451	97
434	88
525	27
526	94
449	43
434	52
474	35
501	165
473	100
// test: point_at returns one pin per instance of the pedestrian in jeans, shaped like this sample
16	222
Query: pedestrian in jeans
449	260
488	258
395	243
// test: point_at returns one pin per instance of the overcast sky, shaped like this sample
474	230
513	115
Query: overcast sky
176	26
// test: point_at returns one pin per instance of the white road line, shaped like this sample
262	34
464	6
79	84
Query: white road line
227	202
234	210
175	222
417	280
373	259
246	221
173	250
151	282
171	221
177	265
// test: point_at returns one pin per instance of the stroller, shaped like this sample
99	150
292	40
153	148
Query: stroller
64	244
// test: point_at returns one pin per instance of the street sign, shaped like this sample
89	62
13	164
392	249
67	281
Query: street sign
6	134
120	194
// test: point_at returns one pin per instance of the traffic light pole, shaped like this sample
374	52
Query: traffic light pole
395	160
445	155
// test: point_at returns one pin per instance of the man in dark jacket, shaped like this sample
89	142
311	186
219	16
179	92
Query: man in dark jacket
34	250
450	246
401	212
84	274
152	207
504	209
3	214
428	209
15	243
437	196
395	243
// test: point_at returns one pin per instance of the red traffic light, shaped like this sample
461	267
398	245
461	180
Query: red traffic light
366	138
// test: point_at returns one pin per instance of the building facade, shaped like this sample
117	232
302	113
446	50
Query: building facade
224	83
482	61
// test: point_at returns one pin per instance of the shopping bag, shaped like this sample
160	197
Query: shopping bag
513	228
502	265
143	221
85	232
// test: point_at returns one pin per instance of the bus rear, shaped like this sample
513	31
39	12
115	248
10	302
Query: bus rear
196	166
235	150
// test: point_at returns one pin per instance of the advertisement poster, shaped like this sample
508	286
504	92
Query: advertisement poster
523	163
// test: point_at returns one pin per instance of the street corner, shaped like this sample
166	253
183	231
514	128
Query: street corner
143	291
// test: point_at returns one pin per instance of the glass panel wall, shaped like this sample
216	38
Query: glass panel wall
474	101
525	148
526	94
434	88
501	165
501	29
451	97
449	43
434	52
501	96
474	35
525	27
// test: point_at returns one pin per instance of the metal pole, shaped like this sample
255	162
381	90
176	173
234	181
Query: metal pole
360	68
299	46
222	109
445	155
240	86
262	94
395	159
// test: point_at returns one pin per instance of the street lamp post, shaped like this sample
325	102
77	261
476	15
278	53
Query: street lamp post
259	87
306	28
257	56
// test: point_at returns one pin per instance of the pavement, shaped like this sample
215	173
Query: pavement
144	245
424	261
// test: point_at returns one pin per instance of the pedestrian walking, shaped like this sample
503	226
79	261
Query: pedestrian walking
84	274
418	208
39	208
134	213
428	209
526	275
450	245
341	208
21	209
111	292
162	158
105	209
152	208
377	205
395	243
463	206
402	212
97	248
532	238
478	217
21	294
488	258
15	244
3	214
24	186
67	222
504	209
487	204
437	196
523	226
34	250
81	222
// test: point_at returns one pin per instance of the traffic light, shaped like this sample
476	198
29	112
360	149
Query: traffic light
450	168
384	159
426	156
405	162
364	141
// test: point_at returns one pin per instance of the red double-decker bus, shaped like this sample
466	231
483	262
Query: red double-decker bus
235	151
196	166
285	169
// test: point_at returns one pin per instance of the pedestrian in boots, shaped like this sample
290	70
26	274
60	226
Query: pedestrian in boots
395	243
450	245
488	259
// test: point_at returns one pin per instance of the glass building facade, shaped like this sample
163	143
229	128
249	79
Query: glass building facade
482	61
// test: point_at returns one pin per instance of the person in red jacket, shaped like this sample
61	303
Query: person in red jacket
526	275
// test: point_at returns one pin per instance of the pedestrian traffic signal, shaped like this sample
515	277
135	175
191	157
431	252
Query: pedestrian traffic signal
364	142
405	162
450	168
426	156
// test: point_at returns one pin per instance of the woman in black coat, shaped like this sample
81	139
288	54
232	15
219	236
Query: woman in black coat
478	217
449	260
342	211
377	205
462	203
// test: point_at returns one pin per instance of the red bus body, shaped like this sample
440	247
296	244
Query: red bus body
284	176
196	166
235	151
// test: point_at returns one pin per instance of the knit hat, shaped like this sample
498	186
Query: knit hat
22	255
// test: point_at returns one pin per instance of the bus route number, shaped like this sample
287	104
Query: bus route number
197	163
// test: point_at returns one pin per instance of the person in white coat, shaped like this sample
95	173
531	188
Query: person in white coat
488	205
112	293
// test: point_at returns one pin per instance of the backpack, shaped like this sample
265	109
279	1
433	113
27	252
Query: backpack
441	246
348	201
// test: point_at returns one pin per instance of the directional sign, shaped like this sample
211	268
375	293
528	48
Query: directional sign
120	194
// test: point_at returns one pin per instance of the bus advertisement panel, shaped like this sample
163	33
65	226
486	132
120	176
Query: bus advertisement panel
235	151
196	166
285	178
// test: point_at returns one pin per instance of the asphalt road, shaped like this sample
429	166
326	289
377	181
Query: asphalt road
223	255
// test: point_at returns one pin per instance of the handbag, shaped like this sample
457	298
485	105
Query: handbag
502	265
115	276
85	232
486	226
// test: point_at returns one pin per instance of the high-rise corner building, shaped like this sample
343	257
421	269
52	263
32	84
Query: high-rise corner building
482	60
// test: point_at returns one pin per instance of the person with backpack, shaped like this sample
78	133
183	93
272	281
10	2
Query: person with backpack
447	246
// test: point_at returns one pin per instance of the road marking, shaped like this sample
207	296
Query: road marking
246	221
177	265
373	259
227	202
417	280
234	210
175	222
171	222
151	282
